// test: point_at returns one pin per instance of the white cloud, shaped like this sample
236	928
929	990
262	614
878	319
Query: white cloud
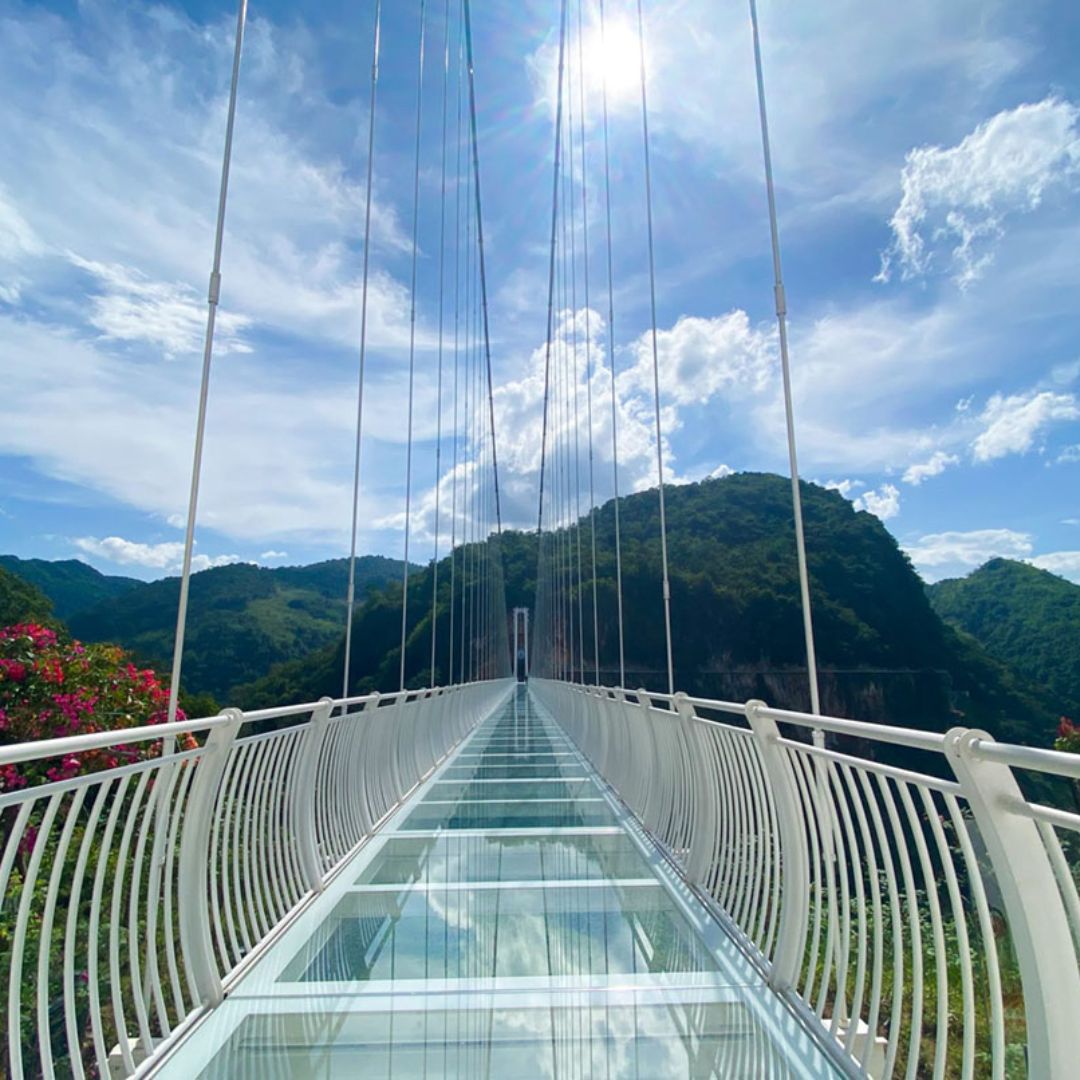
938	555
938	463
1011	424
134	107
274	555
1064	563
171	315
845	487
883	503
698	358
1069	454
720	472
959	197
164	556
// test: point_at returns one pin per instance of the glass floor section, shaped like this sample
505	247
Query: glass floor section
508	921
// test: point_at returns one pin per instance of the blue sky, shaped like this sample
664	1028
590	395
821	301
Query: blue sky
928	169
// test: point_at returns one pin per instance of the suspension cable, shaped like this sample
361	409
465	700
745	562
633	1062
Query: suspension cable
439	400
412	341
655	353
480	257
351	594
457	364
204	385
588	342
611	362
576	380
785	367
551	271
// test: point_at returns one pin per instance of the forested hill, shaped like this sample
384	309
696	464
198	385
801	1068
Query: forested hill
20	601
885	655
1023	616
71	585
242	619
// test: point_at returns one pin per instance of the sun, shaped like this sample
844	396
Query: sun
613	60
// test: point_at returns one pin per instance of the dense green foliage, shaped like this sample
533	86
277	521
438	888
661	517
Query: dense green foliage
884	653
71	585
1023	616
242	619
20	601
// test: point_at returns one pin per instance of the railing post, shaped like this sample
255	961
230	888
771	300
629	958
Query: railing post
794	859
196	942
307	836
1034	908
703	825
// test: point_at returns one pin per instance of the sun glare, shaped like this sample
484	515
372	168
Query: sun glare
613	59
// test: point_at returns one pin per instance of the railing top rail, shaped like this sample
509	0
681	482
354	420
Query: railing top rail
99	740
1055	762
40	749
1049	761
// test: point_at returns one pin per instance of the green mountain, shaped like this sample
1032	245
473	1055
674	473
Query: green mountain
884	654
1023	616
242	619
71	585
20	601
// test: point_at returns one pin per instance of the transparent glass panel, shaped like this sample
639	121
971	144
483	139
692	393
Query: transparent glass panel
484	933
508	815
703	1041
494	857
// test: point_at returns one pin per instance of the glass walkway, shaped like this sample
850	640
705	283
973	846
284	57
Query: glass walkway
510	920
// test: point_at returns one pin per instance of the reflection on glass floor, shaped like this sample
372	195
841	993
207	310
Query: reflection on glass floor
507	922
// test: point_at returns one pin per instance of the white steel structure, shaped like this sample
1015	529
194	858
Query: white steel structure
141	893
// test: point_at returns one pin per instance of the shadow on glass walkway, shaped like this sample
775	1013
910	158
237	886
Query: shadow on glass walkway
509	920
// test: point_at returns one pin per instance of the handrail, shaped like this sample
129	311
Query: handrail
903	911
131	896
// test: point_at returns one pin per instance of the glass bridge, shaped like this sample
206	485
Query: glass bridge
509	920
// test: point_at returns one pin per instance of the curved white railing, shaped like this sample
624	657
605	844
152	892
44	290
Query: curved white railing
895	883
131	898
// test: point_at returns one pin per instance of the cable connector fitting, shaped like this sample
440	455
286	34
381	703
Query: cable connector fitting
781	299
215	287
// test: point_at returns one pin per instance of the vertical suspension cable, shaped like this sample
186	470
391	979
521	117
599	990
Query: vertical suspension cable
546	633
655	354
351	594
442	266
785	367
575	377
213	295
588	341
457	364
480	258
466	419
412	342
611	361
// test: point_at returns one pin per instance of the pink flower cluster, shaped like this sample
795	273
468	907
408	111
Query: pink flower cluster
51	688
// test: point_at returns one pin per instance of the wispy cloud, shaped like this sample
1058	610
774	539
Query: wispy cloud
164	556
956	199
1012	423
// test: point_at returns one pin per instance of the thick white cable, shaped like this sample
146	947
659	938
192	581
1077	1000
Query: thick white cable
611	359
351	593
412	342
204	386
457	365
588	340
438	395
655	354
785	367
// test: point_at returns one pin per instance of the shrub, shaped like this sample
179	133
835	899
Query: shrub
52	688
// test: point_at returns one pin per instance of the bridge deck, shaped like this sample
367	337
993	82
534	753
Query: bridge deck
508	921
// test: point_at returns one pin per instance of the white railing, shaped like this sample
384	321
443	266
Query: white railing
131	898
894	883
